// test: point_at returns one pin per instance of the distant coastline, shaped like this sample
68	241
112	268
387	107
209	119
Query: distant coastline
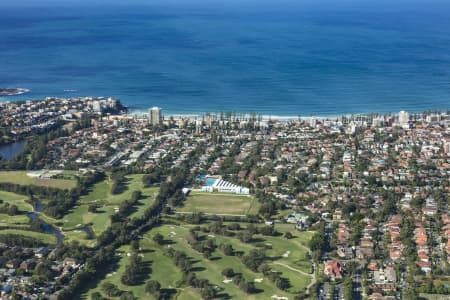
13	91
140	111
307	62
277	117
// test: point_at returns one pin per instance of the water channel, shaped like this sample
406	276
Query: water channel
38	207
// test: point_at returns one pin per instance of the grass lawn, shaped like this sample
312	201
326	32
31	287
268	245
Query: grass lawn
100	192
50	220
24	208
211	269
208	269
44	237
303	236
220	203
163	270
80	217
148	199
21	177
80	236
16	199
293	252
298	281
108	205
188	294
18	220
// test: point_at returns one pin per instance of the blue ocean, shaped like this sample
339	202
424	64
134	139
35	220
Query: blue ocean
270	57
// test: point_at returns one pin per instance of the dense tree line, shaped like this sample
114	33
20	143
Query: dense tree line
135	271
430	287
199	218
58	206
177	198
348	288
207	247
180	259
153	287
74	250
184	263
245	285
20	240
274	276
34	190
9	209
126	206
152	178
94	264
268	208
207	290
119	181
318	243
254	259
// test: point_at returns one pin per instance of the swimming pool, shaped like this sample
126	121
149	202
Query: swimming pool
210	181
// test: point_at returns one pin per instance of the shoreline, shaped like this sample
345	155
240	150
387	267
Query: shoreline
140	112
264	116
284	118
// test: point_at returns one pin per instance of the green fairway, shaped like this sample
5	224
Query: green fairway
21	177
108	204
79	236
16	199
213	268
165	272
101	192
220	203
292	252
188	294
44	237
18	220
298	281
80	217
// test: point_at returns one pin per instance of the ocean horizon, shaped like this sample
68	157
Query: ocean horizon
286	60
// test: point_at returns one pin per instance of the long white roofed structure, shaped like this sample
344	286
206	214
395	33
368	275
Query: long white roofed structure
223	186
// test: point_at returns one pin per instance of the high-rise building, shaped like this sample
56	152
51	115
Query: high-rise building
155	115
198	126
403	118
447	147
112	102
377	122
97	106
